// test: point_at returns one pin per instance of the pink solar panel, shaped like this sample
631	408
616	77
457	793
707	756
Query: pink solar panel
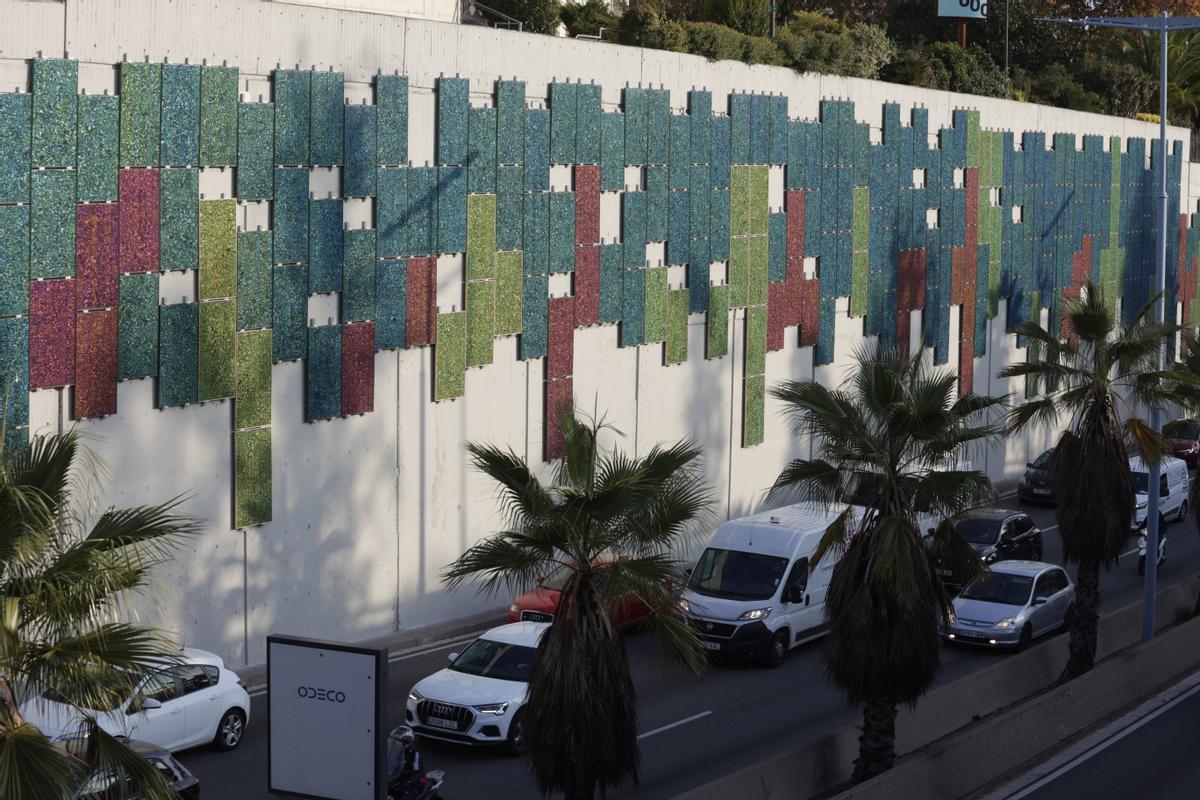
559	396
421	325
138	196
96	363
51	333
560	353
358	368
587	285
96	255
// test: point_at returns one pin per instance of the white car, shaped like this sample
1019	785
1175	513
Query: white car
478	698
185	705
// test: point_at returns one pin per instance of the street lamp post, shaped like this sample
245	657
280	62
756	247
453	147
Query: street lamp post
1163	25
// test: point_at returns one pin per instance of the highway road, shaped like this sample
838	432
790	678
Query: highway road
1149	757
694	728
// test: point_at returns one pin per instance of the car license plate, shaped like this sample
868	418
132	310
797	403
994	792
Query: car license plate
535	616
712	645
442	723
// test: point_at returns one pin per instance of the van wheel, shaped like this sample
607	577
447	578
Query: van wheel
776	650
1183	509
1026	638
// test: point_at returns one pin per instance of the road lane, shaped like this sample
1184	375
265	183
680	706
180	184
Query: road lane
755	713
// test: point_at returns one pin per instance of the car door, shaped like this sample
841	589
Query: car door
795	602
1025	537
1041	617
1060	600
163	726
200	700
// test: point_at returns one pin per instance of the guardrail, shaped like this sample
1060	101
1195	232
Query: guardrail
498	18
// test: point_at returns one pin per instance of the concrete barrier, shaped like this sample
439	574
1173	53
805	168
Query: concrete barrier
826	763
980	754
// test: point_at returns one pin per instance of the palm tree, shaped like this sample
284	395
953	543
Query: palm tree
888	436
1143	50
63	583
1098	376
602	508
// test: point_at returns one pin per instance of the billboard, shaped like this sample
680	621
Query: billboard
325	717
972	9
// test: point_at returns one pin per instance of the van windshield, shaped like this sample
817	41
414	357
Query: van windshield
1141	480
737	575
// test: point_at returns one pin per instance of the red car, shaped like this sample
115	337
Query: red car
1183	439
540	603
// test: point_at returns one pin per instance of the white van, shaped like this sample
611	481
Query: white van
755	591
1172	488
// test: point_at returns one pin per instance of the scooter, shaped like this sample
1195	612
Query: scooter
1162	547
405	779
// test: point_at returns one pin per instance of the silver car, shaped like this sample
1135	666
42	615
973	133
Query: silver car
1010	604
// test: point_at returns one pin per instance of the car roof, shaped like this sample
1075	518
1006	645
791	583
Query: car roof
991	513
190	655
1137	465
1018	567
526	634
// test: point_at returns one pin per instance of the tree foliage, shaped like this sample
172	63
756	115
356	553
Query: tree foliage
588	18
896	424
65	577
603	510
538	16
1097	376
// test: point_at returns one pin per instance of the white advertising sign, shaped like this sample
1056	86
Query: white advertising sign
325	718
972	9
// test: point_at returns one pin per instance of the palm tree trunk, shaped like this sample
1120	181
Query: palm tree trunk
1082	621
877	743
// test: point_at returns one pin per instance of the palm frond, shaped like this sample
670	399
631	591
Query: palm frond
498	562
31	766
522	496
107	755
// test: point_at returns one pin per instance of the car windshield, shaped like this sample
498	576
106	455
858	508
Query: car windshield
557	580
1043	461
506	662
737	575
1182	429
1140	481
109	700
978	531
999	587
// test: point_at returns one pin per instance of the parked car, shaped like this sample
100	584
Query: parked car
184	705
478	699
541	603
115	785
995	534
757	591
1183	437
1172	489
1037	485
1011	604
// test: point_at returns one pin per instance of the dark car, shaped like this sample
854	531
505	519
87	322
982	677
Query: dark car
1183	437
995	534
1036	485
115	786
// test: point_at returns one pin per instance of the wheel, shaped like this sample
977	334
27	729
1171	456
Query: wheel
230	729
1141	565
776	650
515	744
1026	637
1182	511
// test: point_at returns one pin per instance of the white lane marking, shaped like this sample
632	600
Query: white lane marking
400	655
676	724
1105	744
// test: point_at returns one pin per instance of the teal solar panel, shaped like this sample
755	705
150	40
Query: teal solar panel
293	99
358	280
178	334
290	210
481	143
452	210
391	96
537	150
179	218
452	105
327	125
218	116
256	151
391	204
137	326
323	373
55	89
96	155
587	124
15	120
289	312
52	224
361	141
563	111
510	122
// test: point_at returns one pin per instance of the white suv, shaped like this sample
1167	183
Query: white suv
479	697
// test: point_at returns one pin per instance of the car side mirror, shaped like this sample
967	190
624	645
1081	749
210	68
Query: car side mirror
1029	465
452	657
143	704
688	572
1037	601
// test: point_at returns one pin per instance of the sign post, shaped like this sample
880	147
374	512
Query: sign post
963	10
325	718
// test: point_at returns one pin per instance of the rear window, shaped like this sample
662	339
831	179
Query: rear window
1043	461
978	531
1182	429
999	587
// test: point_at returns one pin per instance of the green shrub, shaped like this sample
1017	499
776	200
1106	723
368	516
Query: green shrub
714	42
815	43
643	26
1056	86
539	16
943	65
588	18
751	17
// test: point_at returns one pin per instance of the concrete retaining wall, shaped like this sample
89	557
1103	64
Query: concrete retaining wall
827	762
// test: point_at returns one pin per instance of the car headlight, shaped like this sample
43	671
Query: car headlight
492	708
758	613
685	606
513	609
1141	504
1004	624
989	555
415	696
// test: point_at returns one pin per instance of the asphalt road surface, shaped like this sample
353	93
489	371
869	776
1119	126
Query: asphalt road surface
695	728
1152	759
